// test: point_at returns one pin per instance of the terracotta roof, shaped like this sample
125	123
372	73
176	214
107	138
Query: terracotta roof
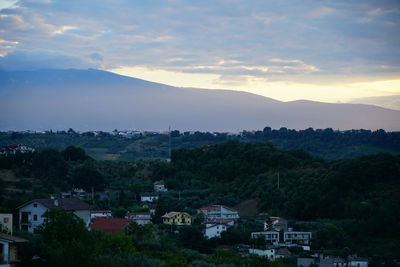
109	225
63	203
12	239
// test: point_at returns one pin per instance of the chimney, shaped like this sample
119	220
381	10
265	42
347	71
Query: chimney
56	202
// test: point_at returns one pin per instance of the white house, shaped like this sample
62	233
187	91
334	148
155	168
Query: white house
149	197
159	186
268	253
8	249
354	261
100	213
140	218
31	213
219	212
214	230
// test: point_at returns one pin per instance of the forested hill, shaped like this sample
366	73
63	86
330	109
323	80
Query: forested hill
123	145
361	195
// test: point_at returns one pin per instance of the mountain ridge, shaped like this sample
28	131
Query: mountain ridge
97	99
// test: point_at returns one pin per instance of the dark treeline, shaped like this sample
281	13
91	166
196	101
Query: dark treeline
326	143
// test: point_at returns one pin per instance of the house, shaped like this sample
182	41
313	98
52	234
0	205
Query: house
271	237
151	206
214	230
282	252
177	218
159	186
140	218
292	237
100	213
354	261
267	253
219	212
9	249
31	213
289	237
14	149
276	223
149	197
305	262
6	223
332	262
109	225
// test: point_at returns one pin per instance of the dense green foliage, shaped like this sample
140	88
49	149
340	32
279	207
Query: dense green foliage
349	204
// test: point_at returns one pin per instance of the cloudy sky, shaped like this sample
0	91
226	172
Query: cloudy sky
325	50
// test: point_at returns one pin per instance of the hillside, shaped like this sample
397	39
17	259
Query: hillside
94	99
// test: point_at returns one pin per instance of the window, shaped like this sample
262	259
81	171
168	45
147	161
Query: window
35	205
35	217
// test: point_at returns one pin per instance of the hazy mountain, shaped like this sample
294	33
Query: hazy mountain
392	101
93	99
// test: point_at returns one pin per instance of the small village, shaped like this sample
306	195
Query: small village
275	241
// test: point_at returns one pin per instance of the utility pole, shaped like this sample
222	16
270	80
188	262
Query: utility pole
278	180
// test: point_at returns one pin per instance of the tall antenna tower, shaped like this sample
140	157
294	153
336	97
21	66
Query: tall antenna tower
169	141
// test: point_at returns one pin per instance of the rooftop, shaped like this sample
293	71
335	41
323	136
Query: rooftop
63	203
109	225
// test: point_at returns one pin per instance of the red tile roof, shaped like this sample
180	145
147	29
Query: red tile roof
109	225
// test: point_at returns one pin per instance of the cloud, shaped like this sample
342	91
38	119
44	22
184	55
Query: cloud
254	40
32	60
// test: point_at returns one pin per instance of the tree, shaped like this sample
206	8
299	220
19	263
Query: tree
66	241
136	187
73	153
87	177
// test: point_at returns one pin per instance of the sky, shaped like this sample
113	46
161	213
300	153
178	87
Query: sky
325	50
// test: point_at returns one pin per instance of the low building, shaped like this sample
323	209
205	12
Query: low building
159	186
149	197
31	213
271	237
293	237
6	223
219	212
305	262
282	252
267	253
332	262
14	149
289	237
214	230
354	261
109	225
9	249
177	218
140	218
100	213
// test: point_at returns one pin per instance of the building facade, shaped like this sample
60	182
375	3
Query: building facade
177	218
31	214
